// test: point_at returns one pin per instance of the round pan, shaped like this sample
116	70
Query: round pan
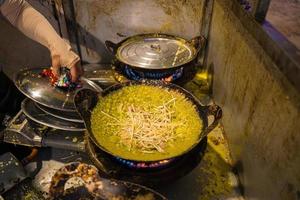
138	72
86	100
196	44
35	114
71	116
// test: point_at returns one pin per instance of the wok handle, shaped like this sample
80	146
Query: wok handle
215	111
33	154
111	47
198	42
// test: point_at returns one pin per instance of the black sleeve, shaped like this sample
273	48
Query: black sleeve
10	97
1	2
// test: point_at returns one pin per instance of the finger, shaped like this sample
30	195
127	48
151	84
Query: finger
56	65
81	69
76	72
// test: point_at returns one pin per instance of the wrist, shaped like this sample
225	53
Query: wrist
67	58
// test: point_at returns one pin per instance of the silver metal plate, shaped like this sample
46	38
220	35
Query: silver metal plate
71	116
39	89
37	115
156	53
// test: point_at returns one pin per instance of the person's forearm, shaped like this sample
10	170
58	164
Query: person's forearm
35	26
20	14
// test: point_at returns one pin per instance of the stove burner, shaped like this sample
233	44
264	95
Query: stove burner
158	173
169	76
144	165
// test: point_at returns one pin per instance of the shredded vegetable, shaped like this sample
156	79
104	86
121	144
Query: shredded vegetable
145	122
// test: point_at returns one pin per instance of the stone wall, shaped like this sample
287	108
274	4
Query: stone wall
101	20
261	109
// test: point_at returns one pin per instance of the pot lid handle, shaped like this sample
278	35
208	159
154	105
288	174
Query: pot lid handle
198	42
111	47
217	113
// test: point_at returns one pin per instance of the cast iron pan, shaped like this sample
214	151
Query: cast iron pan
86	100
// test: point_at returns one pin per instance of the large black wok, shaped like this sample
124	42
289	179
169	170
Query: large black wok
86	100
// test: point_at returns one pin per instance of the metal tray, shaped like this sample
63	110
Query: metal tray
39	89
65	115
37	115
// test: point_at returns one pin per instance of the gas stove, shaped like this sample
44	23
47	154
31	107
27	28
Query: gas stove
22	134
146	173
144	165
108	74
24	131
138	75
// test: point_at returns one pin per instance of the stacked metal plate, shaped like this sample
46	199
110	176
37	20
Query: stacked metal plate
47	105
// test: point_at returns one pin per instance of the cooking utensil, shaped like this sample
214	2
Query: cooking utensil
96	187
39	89
155	51
155	56
30	109
20	132
86	100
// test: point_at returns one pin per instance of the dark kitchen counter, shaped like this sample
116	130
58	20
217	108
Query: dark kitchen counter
213	178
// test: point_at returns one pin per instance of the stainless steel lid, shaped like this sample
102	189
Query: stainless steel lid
37	115
39	89
156	52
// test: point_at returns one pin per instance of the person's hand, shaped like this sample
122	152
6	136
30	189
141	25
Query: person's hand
35	26
75	68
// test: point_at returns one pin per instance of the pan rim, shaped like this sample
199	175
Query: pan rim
186	93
